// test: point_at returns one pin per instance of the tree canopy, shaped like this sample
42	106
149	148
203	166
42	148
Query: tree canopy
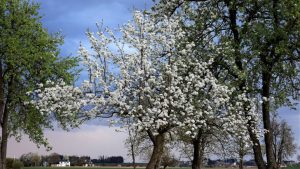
28	57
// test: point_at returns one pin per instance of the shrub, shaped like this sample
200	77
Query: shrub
9	163
17	164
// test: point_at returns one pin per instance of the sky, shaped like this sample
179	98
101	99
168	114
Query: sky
72	18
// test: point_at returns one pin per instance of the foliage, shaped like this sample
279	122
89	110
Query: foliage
112	159
153	75
29	56
17	164
79	161
30	159
198	66
9	163
54	158
257	51
13	163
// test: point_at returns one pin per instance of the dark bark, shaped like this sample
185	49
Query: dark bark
241	155
241	163
133	156
266	80
256	148
3	122
197	162
158	148
199	144
1	93
4	141
4	137
233	27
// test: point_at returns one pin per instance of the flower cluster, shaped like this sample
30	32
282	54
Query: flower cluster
59	100
159	81
150	74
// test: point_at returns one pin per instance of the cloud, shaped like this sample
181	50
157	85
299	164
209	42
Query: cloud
74	17
293	119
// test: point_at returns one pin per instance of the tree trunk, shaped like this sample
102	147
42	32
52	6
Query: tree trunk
196	163
3	122
158	148
266	80
132	149
199	146
241	163
241	155
4	141
133	156
256	148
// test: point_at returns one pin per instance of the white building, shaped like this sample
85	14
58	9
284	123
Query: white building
64	164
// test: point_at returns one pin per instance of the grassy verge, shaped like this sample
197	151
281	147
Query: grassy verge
122	168
296	166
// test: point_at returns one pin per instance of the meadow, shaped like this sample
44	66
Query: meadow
290	167
119	168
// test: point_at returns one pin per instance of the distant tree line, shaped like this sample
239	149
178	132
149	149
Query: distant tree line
112	159
79	161
33	159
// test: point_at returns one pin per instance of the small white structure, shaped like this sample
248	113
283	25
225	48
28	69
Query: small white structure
64	164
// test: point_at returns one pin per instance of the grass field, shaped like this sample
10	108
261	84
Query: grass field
290	167
120	168
102	168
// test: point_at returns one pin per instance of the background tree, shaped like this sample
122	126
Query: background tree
234	147
168	159
54	158
30	159
74	160
197	148
85	160
133	142
28	57
36	159
110	159
241	148
284	145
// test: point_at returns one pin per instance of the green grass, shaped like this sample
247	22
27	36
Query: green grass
115	168
296	166
72	167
